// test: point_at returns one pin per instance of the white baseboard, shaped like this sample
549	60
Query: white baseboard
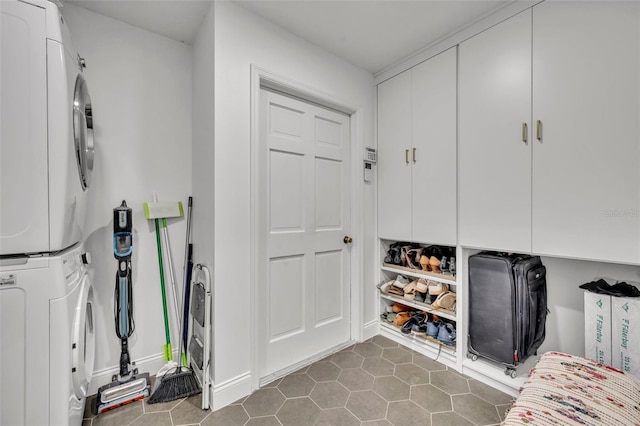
370	329
230	391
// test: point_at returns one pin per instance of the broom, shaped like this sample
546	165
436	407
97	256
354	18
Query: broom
178	382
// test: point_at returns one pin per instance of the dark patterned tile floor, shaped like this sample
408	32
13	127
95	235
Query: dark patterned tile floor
377	382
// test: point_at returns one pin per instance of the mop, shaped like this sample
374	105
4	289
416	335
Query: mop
127	386
173	381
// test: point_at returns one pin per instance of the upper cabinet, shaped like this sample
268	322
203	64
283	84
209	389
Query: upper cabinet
495	147
586	159
395	188
549	144
417	153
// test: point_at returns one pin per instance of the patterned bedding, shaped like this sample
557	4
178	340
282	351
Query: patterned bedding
565	389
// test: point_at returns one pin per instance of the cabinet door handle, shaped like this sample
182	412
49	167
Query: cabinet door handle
525	132
406	156
414	155
539	130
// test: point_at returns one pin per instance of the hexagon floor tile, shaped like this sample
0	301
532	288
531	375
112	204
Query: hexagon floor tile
376	382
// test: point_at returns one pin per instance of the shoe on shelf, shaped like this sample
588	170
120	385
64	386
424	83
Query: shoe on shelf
413	257
413	321
452	266
444	266
399	307
434	263
420	297
433	328
422	285
410	290
419	329
424	263
401	318
400	281
447	334
384	286
436	289
446	300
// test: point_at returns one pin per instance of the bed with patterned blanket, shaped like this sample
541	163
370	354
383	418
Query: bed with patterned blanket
565	389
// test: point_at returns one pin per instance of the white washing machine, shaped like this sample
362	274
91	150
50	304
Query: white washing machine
46	131
46	159
47	338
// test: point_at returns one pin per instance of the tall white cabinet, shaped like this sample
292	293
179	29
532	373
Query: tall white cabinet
417	153
586	164
549	140
495	146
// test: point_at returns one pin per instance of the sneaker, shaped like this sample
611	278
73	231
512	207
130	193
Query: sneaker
433	328
447	334
420	297
413	321
400	281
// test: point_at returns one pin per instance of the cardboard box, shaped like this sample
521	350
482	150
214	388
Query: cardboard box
597	327
626	334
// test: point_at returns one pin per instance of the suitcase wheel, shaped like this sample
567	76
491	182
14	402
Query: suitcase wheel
510	372
473	357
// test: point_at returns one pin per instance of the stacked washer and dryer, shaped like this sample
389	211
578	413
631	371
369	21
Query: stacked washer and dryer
47	334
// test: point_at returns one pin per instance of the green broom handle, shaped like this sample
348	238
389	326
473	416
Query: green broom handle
167	349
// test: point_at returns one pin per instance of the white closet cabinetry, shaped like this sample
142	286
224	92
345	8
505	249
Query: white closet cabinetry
586	165
549	133
417	153
495	156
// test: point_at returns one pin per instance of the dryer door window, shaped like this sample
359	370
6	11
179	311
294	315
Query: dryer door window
84	340
83	131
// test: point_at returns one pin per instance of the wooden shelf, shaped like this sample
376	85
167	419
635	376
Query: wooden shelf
420	306
435	276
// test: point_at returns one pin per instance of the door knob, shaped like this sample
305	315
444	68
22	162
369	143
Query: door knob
347	239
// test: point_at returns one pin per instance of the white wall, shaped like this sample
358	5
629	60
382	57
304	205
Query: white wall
203	147
565	300
243	39
140	84
203	142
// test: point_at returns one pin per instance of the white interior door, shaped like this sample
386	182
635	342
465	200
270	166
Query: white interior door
304	287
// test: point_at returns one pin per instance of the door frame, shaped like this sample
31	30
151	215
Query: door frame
260	78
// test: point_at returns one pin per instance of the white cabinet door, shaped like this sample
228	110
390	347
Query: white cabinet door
586	167
394	162
434	150
494	161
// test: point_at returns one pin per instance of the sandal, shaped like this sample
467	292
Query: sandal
434	263
424	262
436	289
446	300
401	318
410	290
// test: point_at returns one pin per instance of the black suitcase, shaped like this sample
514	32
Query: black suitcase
507	307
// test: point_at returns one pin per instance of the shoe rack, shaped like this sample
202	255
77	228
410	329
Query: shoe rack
428	346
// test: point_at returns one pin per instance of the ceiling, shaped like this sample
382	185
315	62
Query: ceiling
371	34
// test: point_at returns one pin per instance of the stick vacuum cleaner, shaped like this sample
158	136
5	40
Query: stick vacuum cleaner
127	386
